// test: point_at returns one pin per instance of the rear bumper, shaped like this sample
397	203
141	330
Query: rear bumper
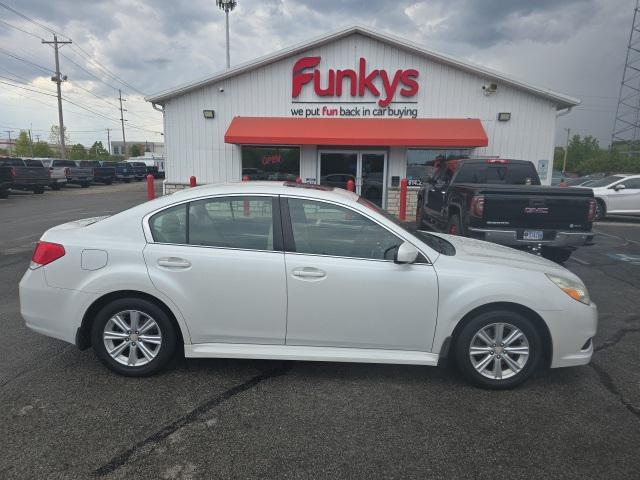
510	238
80	179
30	183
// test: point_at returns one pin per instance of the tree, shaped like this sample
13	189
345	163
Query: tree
134	151
54	136
42	150
580	150
77	152
98	152
22	147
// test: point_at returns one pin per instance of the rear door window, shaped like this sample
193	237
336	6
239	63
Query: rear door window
170	225
232	222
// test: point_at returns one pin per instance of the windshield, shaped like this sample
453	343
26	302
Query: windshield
606	181
436	243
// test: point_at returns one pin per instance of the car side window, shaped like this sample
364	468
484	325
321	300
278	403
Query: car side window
232	222
325	229
170	225
633	184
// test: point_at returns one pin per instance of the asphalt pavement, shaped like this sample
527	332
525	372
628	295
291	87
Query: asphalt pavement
63	415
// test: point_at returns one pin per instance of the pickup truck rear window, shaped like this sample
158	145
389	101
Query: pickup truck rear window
33	163
502	174
11	162
64	163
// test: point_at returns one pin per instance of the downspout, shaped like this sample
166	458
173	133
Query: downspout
160	108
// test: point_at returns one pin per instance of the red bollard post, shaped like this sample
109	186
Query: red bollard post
351	186
192	181
151	194
403	200
245	178
298	180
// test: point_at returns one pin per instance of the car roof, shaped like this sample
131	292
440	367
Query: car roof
269	188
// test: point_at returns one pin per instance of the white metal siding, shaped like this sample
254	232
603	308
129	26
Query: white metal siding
195	145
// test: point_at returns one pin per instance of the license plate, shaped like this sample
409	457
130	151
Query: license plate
533	235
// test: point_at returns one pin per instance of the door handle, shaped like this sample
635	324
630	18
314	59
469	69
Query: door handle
174	262
309	273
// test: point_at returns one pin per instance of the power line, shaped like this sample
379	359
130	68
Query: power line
17	57
29	89
20	29
29	19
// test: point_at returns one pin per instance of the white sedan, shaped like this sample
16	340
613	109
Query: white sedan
616	194
299	272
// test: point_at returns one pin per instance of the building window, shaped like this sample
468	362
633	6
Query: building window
420	163
270	163
116	150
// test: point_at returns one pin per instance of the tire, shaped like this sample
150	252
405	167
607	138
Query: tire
55	186
454	226
160	354
558	255
498	376
4	193
108	182
127	180
601	210
85	184
38	190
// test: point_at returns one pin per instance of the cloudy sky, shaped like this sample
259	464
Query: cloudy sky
576	47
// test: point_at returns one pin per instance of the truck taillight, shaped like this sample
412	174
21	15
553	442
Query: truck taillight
13	173
45	253
477	206
592	210
496	160
67	172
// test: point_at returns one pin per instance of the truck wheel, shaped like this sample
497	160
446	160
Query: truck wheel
4	193
108	182
601	209
454	226
558	255
127	180
85	184
55	186
39	189
498	349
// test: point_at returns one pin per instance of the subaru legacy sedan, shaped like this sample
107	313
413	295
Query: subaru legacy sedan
299	272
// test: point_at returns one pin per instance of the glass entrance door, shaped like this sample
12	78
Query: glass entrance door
366	168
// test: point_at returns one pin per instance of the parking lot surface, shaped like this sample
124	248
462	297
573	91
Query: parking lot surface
63	415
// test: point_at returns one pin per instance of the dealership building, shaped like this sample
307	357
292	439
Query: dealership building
356	105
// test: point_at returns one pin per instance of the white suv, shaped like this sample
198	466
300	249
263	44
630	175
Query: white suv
617	194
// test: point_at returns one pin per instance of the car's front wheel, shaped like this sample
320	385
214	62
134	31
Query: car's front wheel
133	337
498	350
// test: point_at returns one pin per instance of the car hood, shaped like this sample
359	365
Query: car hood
469	249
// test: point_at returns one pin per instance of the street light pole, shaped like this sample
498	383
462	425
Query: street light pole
227	6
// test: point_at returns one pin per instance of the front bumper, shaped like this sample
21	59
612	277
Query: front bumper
572	333
513	238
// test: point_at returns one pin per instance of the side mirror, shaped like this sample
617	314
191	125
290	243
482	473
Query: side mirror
619	187
406	253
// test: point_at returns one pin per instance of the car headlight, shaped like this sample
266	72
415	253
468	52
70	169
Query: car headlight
575	290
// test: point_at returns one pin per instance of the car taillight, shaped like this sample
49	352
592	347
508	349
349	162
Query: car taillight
477	206
67	172
591	216
45	253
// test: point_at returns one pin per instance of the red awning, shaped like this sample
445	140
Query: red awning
411	132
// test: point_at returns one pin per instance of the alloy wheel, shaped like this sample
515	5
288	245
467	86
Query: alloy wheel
132	338
499	351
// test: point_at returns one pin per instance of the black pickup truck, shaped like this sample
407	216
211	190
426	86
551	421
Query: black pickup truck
33	177
124	170
101	174
502	201
7	174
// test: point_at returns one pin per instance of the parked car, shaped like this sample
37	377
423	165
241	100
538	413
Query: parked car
502	201
7	174
331	277
34	178
82	176
101	174
139	170
58	175
617	194
124	171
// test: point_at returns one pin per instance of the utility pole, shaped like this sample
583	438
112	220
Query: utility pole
31	142
566	150
10	149
122	120
109	140
58	78
227	6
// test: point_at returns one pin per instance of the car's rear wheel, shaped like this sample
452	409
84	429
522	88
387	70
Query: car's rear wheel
133	337
601	209
498	350
454	226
